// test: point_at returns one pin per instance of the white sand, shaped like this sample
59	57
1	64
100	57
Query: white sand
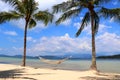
15	72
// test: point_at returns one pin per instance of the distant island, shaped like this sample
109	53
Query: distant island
117	56
18	56
73	56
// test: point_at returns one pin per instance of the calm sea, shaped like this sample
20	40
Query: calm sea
78	65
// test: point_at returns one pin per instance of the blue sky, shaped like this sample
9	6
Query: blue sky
58	40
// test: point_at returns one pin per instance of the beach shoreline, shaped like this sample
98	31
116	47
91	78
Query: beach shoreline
16	72
109	66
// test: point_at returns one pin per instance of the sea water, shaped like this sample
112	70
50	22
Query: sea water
104	65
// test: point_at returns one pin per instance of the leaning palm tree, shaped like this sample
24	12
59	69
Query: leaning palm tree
93	9
27	10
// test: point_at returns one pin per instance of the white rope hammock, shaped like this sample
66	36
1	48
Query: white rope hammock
53	61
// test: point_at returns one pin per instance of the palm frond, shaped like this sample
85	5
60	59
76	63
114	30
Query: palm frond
68	14
44	16
73	5
32	23
65	6
17	4
96	22
12	2
109	12
32	6
116	19
98	2
7	16
85	21
62	7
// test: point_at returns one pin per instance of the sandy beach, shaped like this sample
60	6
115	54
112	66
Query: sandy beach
16	72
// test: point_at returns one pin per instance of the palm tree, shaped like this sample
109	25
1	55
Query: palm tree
92	9
27	10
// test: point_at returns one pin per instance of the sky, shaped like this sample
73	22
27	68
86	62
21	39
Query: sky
58	39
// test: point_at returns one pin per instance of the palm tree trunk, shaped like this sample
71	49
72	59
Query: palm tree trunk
93	65
25	42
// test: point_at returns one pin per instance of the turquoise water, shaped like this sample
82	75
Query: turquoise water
78	65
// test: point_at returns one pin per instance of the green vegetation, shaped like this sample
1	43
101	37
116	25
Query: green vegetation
109	57
94	10
27	10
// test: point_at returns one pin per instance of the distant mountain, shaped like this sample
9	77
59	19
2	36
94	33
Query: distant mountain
79	56
2	55
109	57
18	56
72	56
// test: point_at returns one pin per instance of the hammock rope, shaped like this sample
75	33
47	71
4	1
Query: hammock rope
53	61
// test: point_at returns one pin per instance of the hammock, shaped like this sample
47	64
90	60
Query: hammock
53	61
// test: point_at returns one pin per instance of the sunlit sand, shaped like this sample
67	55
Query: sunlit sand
16	72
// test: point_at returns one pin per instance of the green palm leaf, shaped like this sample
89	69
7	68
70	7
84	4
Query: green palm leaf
31	6
28	10
44	16
69	5
12	2
32	23
93	6
85	22
17	4
96	22
7	16
68	14
98	2
110	13
61	7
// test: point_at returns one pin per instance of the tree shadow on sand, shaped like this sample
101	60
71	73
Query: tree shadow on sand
11	73
14	73
17	73
94	78
103	76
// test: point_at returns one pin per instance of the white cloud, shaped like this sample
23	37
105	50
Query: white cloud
77	25
12	51
16	49
66	22
105	42
1	49
81	18
30	39
60	45
19	23
43	5
12	33
115	2
5	6
108	43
